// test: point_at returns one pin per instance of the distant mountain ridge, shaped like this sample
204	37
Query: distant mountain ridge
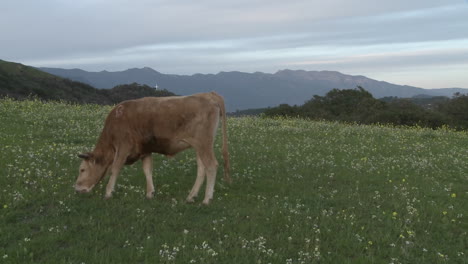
250	90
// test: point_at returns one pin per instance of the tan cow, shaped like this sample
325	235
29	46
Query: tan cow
167	125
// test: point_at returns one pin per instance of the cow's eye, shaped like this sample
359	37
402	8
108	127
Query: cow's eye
82	170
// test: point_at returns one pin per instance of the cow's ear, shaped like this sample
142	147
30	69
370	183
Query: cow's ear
85	156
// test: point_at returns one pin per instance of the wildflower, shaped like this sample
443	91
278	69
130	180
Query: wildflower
185	231
5	206
370	243
212	252
454	195
444	212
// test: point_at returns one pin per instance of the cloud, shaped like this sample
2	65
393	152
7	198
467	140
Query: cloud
247	35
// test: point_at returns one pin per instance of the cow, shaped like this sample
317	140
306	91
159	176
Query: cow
135	129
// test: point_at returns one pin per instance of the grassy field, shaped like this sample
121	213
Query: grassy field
303	192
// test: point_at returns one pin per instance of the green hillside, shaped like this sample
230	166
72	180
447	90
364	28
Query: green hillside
19	81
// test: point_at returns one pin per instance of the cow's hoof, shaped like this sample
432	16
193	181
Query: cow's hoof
107	196
190	200
149	195
206	202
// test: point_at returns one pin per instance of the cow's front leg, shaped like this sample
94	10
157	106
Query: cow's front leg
116	166
110	185
148	170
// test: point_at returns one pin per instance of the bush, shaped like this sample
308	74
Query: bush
359	106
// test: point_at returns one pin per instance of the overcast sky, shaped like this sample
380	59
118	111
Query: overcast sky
422	43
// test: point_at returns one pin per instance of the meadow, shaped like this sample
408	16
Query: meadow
302	192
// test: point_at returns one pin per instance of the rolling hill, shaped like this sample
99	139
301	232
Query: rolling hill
20	81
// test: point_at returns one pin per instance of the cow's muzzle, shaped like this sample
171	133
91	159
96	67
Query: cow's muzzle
82	189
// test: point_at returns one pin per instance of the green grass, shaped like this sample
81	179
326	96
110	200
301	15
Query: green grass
303	192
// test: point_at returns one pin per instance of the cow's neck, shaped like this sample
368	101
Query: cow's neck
104	152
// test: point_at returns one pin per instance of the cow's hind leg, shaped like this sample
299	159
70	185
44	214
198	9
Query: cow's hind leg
119	161
198	181
148	170
211	166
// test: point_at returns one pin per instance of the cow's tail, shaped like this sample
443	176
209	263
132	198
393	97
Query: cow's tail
222	113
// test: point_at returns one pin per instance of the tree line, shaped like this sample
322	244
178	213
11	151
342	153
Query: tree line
359	106
57	89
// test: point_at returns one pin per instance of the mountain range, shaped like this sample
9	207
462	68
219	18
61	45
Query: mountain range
250	90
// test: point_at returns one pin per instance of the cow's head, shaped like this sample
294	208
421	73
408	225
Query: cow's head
91	171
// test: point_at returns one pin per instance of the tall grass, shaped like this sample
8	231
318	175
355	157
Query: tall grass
303	192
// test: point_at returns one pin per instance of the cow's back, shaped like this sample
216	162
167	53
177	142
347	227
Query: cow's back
168	116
